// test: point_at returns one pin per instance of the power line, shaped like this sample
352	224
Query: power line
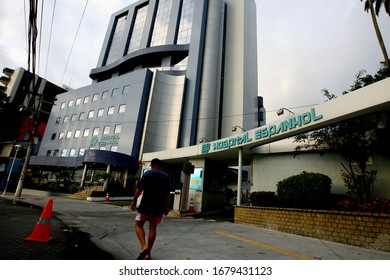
40	37
25	25
51	31
74	40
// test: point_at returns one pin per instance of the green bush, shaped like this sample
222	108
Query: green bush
305	190
263	198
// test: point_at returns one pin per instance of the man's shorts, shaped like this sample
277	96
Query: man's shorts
151	218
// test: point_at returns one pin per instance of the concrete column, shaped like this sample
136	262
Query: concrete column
83	176
108	170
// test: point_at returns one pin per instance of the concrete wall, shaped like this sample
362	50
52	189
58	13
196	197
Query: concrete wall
240	83
275	162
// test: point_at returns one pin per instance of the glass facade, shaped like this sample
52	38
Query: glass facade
160	29
114	48
158	32
138	28
185	26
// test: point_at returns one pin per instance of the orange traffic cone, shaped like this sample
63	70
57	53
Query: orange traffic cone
192	208
41	232
107	197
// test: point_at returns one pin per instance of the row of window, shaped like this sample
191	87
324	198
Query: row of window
159	33
91	114
95	97
86	132
76	152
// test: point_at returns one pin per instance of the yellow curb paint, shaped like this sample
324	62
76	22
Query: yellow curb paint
264	246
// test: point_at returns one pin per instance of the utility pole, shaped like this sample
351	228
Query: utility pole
32	38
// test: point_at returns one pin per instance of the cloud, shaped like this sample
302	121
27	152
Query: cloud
305	46
84	56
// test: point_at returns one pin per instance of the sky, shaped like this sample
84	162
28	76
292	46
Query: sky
303	46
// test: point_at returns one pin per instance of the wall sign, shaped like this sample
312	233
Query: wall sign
263	132
104	140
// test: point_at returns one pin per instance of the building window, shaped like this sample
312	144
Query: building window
95	97
77	133
48	153
106	130
126	90
95	131
117	129
122	108
185	25
90	114
100	112
53	136
61	135
78	101
104	95
70	103
66	119
58	120
138	27
56	152
86	99
73	118
81	152
72	152
64	152
114	48
68	135
86	132
63	105
82	116
115	92
110	110
161	23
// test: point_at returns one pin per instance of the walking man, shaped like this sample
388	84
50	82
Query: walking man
155	187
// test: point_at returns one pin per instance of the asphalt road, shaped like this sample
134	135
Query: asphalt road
18	220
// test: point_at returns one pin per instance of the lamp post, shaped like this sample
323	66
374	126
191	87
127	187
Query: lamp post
281	111
17	148
234	128
239	178
240	166
203	140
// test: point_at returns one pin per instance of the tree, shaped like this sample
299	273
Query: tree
356	140
369	7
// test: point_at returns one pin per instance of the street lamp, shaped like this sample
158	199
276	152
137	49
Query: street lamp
203	140
17	148
281	111
234	128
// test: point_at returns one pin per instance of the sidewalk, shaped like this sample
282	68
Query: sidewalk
111	228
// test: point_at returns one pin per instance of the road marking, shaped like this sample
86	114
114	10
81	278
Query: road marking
264	246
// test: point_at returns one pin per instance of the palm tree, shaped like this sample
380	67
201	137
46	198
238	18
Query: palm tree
369	7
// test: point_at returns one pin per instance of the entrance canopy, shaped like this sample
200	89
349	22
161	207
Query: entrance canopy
372	98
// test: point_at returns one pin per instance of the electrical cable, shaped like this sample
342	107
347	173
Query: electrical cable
51	31
40	37
25	25
74	40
